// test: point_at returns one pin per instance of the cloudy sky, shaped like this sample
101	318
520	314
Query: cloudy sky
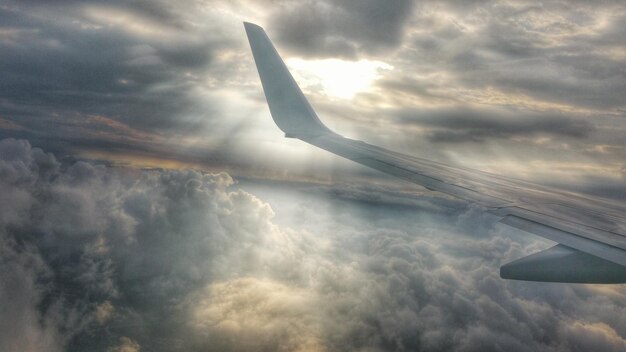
148	202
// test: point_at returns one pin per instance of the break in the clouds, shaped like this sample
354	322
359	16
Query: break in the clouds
472	126
108	259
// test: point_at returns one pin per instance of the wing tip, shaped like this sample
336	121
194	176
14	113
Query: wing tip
249	26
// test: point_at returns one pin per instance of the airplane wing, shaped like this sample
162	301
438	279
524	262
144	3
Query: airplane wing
591	234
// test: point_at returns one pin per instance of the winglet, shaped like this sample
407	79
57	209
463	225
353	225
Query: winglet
288	106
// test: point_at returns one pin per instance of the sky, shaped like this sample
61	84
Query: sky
149	203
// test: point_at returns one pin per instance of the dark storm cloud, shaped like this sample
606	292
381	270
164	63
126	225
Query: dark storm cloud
477	126
181	260
135	64
340	28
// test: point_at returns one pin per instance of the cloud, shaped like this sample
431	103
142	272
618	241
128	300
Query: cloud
22	326
523	49
126	345
182	260
136	65
340	28
100	240
477	126
252	314
597	335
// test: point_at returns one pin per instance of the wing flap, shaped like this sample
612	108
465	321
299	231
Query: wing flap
564	264
572	240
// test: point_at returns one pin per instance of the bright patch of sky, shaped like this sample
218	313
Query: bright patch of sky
337	78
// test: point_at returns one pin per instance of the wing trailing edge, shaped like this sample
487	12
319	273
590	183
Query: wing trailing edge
564	264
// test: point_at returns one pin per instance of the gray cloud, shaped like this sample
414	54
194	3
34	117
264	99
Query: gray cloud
150	80
477	126
551	52
105	259
341	28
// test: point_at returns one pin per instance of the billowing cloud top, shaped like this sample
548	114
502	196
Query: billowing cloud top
98	258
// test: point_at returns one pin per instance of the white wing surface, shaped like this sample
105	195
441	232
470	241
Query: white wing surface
591	234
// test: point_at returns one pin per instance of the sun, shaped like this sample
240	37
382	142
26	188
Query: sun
337	78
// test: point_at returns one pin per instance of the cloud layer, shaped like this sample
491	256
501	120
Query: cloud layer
473	83
111	259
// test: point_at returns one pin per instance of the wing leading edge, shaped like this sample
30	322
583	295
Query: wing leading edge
591	234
